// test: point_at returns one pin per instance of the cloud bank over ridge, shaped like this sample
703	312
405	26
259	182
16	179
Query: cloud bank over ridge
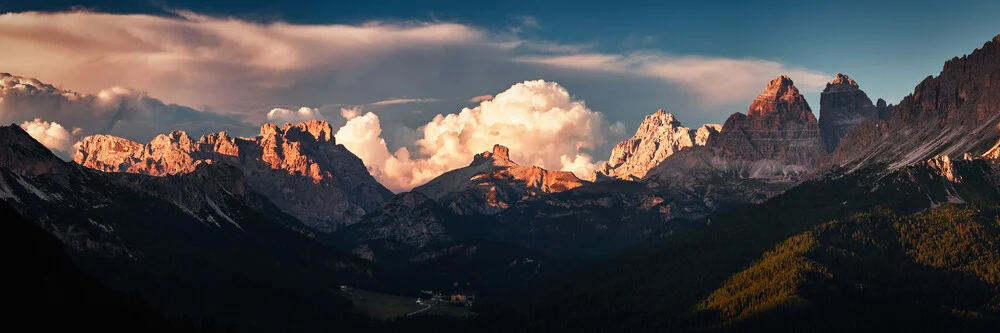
539	121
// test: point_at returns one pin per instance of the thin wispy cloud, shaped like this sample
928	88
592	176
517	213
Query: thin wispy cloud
715	80
480	98
395	101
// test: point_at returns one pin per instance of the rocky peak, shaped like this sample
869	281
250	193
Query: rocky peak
174	140
705	132
268	130
842	107
884	109
842	79
499	156
779	127
220	142
493	182
659	136
659	118
23	154
952	114
297	166
319	130
781	99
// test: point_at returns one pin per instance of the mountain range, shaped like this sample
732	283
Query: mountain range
874	217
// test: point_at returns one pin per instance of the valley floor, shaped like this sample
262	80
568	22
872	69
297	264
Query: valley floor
387	306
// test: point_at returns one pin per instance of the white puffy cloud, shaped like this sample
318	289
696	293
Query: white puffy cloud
539	121
283	116
351	112
51	134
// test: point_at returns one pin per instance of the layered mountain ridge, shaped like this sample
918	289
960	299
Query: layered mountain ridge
201	242
492	182
955	113
298	166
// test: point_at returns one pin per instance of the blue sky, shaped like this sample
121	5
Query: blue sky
888	46
408	61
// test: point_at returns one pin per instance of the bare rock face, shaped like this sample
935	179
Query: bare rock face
842	106
659	136
492	182
953	114
297	166
884	109
778	127
704	132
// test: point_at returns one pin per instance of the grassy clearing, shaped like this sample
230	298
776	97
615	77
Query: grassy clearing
386	306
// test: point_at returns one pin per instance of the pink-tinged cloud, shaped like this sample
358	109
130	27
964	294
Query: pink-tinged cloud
539	121
715	80
197	59
481	98
396	101
283	116
51	134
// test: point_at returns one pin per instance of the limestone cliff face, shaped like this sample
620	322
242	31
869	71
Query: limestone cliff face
659	136
779	127
955	113
842	107
297	166
492	182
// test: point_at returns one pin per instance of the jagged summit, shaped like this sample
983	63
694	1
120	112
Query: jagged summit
298	166
500	156
842	79
843	105
319	130
782	99
952	114
778	127
661	117
659	136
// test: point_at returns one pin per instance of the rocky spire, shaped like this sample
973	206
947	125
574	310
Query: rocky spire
500	155
884	109
842	79
842	106
779	126
781	99
659	136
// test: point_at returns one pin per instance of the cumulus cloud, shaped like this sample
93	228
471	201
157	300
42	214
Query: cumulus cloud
715	80
481	98
539	121
117	111
351	112
51	134
283	116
